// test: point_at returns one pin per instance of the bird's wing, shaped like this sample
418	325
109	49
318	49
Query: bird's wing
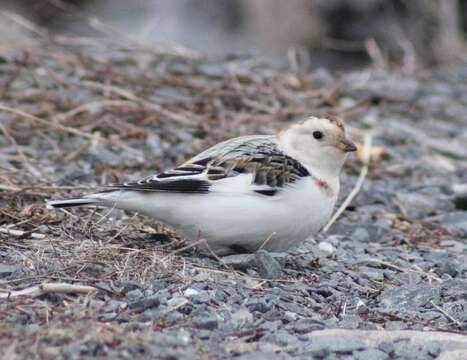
258	157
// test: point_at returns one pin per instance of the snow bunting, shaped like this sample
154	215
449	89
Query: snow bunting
245	193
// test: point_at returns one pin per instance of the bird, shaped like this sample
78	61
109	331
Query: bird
253	192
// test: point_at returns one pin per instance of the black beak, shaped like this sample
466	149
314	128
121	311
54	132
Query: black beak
346	145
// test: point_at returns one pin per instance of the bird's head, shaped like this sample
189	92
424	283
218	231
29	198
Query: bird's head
320	143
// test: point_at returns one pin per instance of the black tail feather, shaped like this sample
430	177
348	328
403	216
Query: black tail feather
60	204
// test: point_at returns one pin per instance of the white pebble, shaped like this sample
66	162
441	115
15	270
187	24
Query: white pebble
190	292
327	247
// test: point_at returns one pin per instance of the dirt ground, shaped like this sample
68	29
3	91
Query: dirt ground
76	114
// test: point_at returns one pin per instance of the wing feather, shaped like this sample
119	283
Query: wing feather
260	156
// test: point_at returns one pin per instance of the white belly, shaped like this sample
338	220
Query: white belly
246	220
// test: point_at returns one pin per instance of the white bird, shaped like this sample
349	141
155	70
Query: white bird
246	193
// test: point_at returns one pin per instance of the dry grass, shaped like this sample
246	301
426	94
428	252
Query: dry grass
76	114
63	102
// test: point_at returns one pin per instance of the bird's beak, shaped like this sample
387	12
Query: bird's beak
346	145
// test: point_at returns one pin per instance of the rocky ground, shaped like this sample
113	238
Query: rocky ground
387	281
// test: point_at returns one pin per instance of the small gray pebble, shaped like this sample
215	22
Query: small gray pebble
360	235
387	347
268	267
7	270
451	268
239	261
304	326
257	304
370	354
145	303
241	318
409	298
395	325
206	321
455	222
333	344
262	355
133	295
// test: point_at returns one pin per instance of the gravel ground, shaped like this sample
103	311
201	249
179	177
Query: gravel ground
387	281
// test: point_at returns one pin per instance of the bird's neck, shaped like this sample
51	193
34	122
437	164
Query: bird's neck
317	166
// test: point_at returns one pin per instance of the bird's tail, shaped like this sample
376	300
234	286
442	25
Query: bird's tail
106	198
59	204
125	200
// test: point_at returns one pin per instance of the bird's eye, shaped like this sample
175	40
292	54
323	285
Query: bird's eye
317	135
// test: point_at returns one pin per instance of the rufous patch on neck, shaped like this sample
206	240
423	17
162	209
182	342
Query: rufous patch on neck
324	187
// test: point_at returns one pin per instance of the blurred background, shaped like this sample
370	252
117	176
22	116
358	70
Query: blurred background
334	33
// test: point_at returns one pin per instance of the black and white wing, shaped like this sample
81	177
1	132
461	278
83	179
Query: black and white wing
269	168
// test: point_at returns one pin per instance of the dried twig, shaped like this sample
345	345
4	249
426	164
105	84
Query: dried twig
23	22
27	164
376	54
35	119
358	185
43	188
47	288
445	313
66	129
13	232
214	254
265	242
189	246
414	269
387	264
93	107
140	101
